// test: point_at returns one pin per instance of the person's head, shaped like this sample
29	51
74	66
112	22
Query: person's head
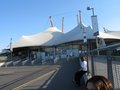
98	83
82	58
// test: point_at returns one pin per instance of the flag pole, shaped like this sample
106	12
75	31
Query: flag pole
11	48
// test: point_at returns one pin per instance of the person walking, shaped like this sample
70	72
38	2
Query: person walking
79	74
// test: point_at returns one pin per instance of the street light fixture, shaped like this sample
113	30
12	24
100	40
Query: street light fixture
90	8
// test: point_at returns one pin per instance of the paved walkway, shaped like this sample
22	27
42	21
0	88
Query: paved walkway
58	78
63	78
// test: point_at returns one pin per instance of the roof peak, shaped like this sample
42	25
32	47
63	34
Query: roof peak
53	29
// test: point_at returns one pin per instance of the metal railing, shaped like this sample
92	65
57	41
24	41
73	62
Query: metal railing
106	63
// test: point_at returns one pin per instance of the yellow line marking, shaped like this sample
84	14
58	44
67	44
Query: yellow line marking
30	82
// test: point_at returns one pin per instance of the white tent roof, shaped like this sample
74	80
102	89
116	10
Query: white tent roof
109	35
114	33
54	36
77	34
46	38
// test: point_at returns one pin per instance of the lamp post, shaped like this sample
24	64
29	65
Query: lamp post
95	33
94	25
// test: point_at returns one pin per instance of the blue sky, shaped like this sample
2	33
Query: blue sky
27	17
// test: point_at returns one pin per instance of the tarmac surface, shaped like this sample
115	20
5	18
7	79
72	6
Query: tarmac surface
44	77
